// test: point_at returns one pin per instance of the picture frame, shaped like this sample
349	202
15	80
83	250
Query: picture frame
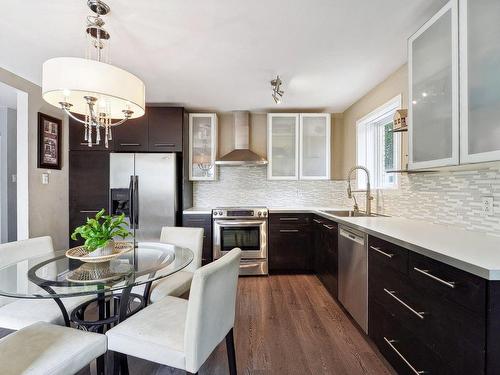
49	142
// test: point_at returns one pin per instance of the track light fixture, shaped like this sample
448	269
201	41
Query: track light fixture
277	91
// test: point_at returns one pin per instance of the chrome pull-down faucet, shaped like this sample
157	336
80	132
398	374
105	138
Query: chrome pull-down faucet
369	197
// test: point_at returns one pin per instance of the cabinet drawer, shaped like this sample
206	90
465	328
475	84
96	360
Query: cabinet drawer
406	353
289	219
290	249
448	282
385	254
454	333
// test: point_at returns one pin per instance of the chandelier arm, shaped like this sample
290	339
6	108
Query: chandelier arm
66	110
93	120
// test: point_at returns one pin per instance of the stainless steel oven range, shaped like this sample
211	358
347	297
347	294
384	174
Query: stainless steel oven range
246	228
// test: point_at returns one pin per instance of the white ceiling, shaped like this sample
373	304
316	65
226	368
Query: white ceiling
221	54
8	96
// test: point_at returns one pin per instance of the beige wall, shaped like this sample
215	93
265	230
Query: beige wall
48	204
258	137
394	85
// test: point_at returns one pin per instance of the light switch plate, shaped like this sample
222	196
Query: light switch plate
45	178
487	205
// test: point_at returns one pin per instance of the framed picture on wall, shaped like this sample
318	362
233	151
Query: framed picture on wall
49	142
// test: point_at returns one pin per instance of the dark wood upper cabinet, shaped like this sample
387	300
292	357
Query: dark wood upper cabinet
159	130
77	136
165	128
132	135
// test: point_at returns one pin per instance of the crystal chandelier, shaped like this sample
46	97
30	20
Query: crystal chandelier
103	95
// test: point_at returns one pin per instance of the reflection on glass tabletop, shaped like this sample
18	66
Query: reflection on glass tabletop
56	275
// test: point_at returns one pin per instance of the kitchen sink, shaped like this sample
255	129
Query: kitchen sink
348	213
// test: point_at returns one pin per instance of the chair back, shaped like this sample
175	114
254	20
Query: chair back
211	308
13	252
191	238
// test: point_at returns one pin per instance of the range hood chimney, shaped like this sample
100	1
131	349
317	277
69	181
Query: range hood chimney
241	155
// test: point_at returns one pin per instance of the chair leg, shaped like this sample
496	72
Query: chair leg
120	364
231	354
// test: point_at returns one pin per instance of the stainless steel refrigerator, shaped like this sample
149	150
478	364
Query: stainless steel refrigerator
143	186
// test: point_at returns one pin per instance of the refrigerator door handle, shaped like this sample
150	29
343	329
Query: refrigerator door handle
136	202
131	202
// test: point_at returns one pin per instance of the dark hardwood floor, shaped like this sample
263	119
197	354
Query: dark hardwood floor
287	325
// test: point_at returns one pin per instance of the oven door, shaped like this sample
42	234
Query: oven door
249	235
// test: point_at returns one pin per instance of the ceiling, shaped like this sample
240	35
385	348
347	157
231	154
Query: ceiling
221	54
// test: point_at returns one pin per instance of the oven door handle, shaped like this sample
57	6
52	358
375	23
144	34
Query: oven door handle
235	223
250	265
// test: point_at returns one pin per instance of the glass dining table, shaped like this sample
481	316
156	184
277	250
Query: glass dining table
122	291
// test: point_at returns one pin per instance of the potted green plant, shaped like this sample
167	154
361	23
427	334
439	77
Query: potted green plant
98	233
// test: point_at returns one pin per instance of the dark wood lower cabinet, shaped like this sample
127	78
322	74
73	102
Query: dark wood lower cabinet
291	249
325	233
201	221
428	317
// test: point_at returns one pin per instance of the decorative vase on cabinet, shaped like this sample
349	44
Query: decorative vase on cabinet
479	81
202	146
433	91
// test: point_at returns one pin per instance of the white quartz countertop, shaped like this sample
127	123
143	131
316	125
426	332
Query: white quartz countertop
473	252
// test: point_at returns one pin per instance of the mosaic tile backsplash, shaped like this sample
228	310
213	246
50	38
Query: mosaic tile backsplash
450	198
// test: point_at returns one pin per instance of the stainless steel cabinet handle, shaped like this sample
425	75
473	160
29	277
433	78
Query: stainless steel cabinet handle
329	227
130	144
450	284
317	221
289	218
89	211
249	265
413	369
164	145
86	144
289	230
392	293
377	249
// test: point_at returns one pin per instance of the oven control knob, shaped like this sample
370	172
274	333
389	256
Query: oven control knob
220	213
259	214
265	213
215	213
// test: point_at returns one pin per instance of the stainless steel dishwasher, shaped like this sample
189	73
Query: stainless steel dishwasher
353	274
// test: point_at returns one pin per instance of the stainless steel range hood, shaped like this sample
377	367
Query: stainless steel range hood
241	155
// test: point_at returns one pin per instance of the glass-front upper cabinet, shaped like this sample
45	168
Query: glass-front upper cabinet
480	80
202	146
315	146
433	91
283	146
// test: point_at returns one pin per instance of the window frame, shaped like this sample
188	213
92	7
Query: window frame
378	114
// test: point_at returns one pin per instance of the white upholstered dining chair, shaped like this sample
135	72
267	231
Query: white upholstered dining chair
47	349
179	283
19	313
183	333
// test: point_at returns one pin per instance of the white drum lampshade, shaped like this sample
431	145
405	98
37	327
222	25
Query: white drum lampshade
69	79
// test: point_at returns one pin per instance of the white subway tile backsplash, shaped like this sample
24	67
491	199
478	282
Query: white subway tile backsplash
450	198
